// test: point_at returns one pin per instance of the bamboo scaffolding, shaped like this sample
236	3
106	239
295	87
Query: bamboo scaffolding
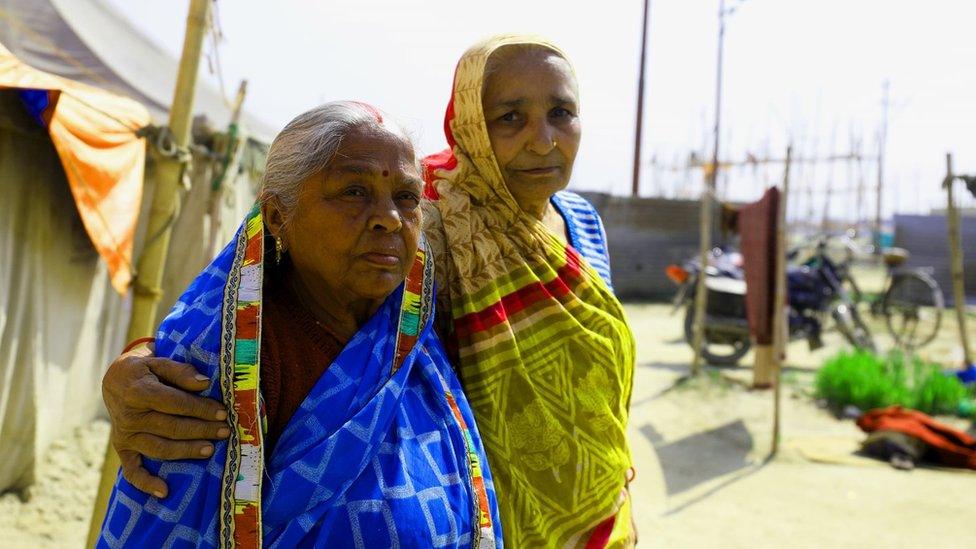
152	262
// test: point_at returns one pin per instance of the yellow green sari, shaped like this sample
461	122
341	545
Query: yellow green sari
544	350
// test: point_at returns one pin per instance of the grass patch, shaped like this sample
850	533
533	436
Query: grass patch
868	381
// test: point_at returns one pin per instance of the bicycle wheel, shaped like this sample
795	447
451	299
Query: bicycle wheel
913	309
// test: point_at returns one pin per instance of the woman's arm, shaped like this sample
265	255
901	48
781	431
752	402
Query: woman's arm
155	414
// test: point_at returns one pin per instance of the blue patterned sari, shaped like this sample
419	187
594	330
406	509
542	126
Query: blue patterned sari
383	451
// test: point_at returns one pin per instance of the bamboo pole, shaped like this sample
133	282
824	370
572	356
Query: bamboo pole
780	319
707	208
221	179
859	208
829	190
701	296
152	262
955	254
882	138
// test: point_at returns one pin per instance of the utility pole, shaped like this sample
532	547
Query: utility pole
152	262
882	138
707	209
635	186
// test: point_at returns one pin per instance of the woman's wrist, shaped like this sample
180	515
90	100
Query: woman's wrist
137	342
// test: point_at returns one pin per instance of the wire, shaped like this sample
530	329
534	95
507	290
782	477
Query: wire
216	34
754	162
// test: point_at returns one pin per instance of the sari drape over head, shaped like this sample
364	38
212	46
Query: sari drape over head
382	452
546	356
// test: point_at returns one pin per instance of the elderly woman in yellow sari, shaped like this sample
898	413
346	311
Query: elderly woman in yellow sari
542	344
524	304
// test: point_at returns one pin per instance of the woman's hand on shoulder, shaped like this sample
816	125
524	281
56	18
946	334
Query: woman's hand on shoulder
154	414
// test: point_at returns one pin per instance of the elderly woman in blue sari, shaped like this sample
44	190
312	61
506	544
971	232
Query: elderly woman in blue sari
314	326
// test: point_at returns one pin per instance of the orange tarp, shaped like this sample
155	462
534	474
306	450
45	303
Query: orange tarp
94	133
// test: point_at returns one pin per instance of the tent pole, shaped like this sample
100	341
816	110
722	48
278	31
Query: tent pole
152	262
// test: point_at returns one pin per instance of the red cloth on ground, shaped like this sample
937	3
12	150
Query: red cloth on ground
295	352
952	447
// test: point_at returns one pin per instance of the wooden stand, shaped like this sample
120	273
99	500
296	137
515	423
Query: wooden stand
763	371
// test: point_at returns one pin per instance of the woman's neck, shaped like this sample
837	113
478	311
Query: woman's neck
329	306
545	212
535	208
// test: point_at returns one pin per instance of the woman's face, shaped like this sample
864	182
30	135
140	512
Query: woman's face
531	104
356	227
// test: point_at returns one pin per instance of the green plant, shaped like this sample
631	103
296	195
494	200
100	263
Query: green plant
868	381
939	394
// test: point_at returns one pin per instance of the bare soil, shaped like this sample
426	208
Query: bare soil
705	480
701	449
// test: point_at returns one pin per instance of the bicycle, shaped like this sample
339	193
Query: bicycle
911	301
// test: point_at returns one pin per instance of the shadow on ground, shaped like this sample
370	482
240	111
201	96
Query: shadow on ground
703	456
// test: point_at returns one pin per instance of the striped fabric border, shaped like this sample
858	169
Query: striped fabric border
416	307
240	518
485	534
586	231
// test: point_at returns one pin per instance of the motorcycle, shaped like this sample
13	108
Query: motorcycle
814	288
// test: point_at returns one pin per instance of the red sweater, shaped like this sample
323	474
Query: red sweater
295	351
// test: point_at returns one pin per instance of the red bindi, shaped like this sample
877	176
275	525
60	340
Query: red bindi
386	173
372	110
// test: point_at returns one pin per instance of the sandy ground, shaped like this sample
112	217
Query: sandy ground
704	480
700	448
56	510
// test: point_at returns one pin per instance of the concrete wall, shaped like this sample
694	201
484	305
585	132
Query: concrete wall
926	237
645	236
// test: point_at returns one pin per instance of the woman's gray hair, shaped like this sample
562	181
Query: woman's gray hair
307	144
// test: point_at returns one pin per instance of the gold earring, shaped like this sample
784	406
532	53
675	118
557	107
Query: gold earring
279	248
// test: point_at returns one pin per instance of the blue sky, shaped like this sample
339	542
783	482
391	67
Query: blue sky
801	71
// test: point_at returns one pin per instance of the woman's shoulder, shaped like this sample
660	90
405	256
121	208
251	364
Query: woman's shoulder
586	231
566	199
583	220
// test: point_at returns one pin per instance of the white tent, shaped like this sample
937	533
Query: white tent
60	320
86	41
